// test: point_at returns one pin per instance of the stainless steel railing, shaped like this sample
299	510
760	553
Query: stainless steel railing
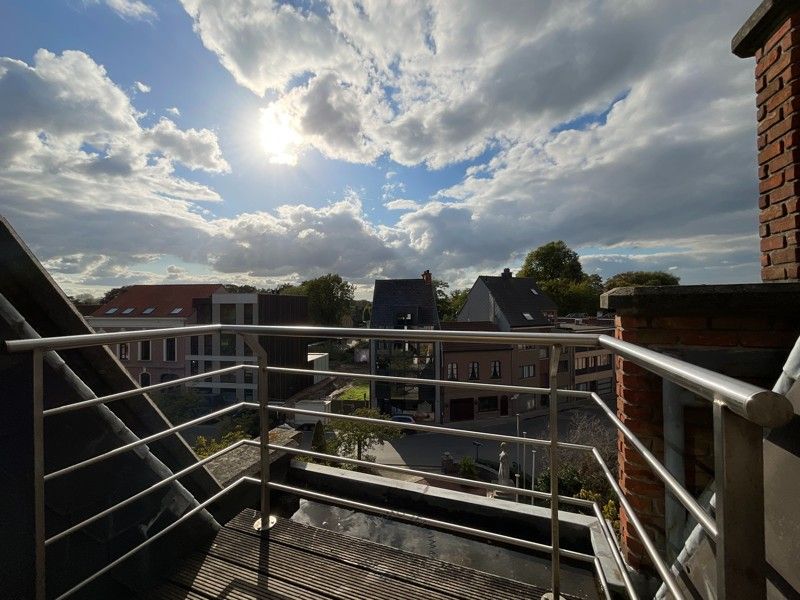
741	411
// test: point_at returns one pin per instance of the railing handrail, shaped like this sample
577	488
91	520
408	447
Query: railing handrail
758	405
752	406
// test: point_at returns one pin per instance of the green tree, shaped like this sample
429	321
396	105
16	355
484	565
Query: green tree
554	260
329	298
457	300
448	305
634	278
573	296
354	438
466	468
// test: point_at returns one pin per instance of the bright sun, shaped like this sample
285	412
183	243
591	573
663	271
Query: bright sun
279	139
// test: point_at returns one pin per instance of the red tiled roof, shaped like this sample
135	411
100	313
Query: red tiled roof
162	298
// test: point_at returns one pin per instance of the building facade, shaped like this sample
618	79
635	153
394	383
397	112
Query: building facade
405	304
164	306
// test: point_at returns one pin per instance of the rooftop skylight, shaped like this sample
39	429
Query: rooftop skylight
127	311
111	311
176	310
527	316
148	310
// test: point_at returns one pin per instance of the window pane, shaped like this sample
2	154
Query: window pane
144	350
248	314
123	351
208	344
169	350
487	403
194	345
227	314
144	379
227	344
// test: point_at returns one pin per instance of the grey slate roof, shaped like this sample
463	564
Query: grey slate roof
412	296
513	296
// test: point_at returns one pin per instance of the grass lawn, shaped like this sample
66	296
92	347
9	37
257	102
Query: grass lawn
359	391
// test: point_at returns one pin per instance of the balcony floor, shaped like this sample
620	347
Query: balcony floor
304	562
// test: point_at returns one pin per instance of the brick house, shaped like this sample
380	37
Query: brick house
175	305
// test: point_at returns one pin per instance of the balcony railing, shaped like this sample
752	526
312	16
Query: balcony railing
741	411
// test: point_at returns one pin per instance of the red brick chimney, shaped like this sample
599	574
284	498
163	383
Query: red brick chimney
772	36
426	277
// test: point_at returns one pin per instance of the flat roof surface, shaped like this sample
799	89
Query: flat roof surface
305	562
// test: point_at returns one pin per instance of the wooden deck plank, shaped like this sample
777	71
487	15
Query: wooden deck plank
302	562
445	577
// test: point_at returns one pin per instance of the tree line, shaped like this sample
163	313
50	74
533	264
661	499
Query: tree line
555	267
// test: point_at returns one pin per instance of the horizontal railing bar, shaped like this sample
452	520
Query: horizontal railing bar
417	519
139	390
146	440
419	335
426	474
411	335
150	540
141	494
85	340
432	382
661	471
615	553
428	428
660	565
758	405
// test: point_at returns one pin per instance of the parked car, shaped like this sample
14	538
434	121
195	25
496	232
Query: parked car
404	419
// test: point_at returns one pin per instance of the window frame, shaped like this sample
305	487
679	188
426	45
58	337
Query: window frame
149	351
175	350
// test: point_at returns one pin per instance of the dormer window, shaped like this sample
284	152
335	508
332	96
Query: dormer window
127	311
528	316
148	310
111	311
176	310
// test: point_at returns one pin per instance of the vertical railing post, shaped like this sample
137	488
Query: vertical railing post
554	594
267	520
739	479
38	473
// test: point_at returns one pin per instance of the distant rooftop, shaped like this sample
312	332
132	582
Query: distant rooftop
520	299
393	297
170	300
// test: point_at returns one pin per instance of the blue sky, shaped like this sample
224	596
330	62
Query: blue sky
454	137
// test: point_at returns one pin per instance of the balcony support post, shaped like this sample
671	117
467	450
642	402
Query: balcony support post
555	567
267	520
739	474
38	472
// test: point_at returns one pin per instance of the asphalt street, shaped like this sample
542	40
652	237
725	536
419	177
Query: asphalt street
424	450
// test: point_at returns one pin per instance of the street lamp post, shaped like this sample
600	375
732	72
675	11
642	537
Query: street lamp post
533	473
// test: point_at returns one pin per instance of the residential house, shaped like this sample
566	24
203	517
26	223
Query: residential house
164	306
405	304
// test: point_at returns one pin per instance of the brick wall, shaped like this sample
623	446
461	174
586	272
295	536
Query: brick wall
777	74
736	330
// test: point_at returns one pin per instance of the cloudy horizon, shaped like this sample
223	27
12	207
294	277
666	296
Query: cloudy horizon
263	142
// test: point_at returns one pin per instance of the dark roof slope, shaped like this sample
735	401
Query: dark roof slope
472	346
515	296
75	436
412	296
162	298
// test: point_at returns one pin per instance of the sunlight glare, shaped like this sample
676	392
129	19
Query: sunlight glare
279	139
